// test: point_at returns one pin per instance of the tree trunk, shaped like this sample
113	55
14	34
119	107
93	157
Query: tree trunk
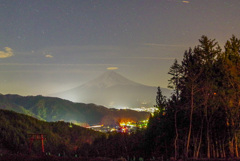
190	123
231	148
176	138
166	150
208	141
213	151
220	149
200	140
236	145
217	147
195	144
223	149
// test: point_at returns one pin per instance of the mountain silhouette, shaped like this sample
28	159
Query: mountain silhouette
53	109
109	79
114	91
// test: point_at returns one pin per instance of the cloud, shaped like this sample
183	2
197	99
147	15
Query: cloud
162	45
7	53
185	1
152	58
64	65
112	68
48	56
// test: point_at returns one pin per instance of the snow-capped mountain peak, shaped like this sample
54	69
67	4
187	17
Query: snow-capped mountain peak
109	79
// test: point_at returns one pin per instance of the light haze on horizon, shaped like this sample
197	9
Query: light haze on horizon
51	46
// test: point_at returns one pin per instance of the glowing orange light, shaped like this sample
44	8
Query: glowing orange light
125	122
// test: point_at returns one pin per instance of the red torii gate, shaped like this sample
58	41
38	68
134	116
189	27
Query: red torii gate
34	137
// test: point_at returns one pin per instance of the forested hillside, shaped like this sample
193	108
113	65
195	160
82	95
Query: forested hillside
55	109
61	138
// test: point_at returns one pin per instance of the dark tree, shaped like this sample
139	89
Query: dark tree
160	100
175	72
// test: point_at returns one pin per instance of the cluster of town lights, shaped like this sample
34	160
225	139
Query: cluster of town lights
126	127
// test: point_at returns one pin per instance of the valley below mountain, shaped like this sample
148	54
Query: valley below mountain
55	109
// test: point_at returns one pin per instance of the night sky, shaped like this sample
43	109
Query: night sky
48	46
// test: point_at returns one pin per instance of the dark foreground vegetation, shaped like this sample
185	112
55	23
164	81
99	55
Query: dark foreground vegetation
62	139
21	157
199	122
206	106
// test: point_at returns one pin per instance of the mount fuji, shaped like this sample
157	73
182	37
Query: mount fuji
114	91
